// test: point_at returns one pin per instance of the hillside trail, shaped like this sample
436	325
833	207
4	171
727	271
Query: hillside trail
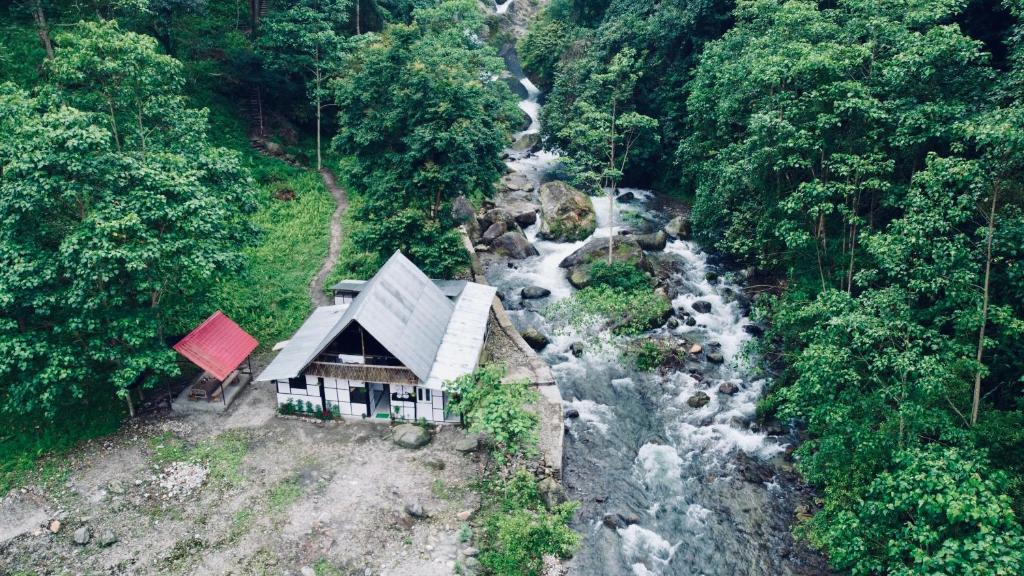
316	286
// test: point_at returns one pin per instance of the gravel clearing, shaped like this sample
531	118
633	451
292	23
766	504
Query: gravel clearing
256	494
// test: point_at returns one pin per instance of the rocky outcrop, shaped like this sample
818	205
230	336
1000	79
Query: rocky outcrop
513	244
535	338
625	250
534	292
567	215
654	242
526	142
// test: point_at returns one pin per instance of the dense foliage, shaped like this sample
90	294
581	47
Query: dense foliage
619	296
424	116
519	526
867	156
117	211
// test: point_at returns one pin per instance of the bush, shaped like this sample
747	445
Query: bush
496	408
940	511
648	355
629	312
518	531
619	276
287	408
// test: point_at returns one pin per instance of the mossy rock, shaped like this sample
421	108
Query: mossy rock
566	214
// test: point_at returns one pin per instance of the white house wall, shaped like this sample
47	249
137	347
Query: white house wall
337	393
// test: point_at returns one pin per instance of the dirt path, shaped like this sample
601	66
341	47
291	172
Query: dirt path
316	287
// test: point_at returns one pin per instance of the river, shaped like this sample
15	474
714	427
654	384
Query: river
705	490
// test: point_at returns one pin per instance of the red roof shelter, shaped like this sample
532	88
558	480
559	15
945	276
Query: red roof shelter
218	345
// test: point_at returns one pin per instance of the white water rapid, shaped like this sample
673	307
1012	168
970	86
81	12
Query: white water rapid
695	489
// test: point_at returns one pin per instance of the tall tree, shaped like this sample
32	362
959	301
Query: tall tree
605	128
424	114
117	215
307	39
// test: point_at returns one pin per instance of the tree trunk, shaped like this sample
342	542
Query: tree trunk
358	31
319	107
42	28
131	406
976	405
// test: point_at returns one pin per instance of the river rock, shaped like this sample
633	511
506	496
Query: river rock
617	520
524	213
493	232
653	242
410	436
715	357
690	321
534	292
626	197
698	400
728	388
82	536
672	323
696	349
576	349
496	215
527	121
566	214
551	492
701	306
526	142
678	227
711	276
572	413
753	330
535	339
515	181
625	250
513	244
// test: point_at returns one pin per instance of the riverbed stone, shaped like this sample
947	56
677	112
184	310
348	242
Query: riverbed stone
701	306
526	142
678	227
626	197
576	349
625	250
728	388
690	321
654	242
515	181
522	213
535	339
617	520
696	349
753	330
715	357
534	292
410	436
493	232
698	400
566	214
513	244
572	413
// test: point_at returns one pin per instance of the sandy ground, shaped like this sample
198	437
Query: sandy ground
280	496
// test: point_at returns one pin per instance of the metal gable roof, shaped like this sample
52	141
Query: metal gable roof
304	345
218	345
405	311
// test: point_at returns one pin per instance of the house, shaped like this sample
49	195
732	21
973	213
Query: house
386	347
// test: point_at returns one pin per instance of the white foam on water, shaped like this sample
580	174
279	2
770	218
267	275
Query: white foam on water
592	413
646	547
660	466
502	8
697	515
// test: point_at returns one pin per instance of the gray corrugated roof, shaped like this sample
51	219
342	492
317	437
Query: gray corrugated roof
408	314
450	288
304	344
464	336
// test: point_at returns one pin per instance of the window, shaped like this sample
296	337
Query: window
357	395
297	384
423	394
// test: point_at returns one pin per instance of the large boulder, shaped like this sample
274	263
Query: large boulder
678	227
524	213
625	250
495	216
515	182
526	142
410	436
463	210
493	232
513	244
535	338
534	292
655	241
566	214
